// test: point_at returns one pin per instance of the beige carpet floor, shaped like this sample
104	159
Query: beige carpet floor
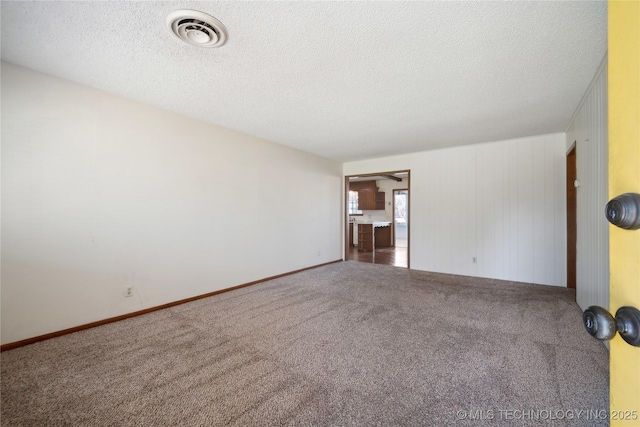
345	344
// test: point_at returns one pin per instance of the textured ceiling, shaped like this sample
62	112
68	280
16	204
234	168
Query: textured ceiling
345	80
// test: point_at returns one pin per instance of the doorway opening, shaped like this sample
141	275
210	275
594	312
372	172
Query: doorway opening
400	217
572	229
377	218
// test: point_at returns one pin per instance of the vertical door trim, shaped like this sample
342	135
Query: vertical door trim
345	219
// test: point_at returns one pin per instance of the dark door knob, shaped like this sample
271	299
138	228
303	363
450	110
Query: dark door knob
601	325
628	325
624	211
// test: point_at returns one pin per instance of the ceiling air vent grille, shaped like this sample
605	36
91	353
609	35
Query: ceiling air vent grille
197	28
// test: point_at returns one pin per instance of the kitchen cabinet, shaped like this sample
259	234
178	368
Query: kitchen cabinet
382	236
374	235
365	237
369	198
380	200
366	200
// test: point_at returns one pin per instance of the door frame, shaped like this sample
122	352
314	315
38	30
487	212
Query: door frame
346	209
623	151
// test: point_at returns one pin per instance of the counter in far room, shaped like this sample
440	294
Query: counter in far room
373	234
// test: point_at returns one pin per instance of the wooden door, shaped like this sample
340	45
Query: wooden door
572	231
624	177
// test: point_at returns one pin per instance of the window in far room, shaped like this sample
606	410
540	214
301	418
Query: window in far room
353	203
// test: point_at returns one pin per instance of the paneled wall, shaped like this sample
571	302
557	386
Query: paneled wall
588	130
502	203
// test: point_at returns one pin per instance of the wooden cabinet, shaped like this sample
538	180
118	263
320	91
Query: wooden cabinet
365	237
366	200
369	198
382	237
370	237
380	201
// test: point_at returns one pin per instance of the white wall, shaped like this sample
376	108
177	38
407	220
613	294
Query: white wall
501	202
100	193
588	130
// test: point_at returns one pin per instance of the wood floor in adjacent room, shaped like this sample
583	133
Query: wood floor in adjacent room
396	256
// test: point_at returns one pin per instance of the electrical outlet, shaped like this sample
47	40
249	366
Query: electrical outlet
474	260
128	291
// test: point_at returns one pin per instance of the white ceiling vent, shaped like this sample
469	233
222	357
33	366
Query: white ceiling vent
197	28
